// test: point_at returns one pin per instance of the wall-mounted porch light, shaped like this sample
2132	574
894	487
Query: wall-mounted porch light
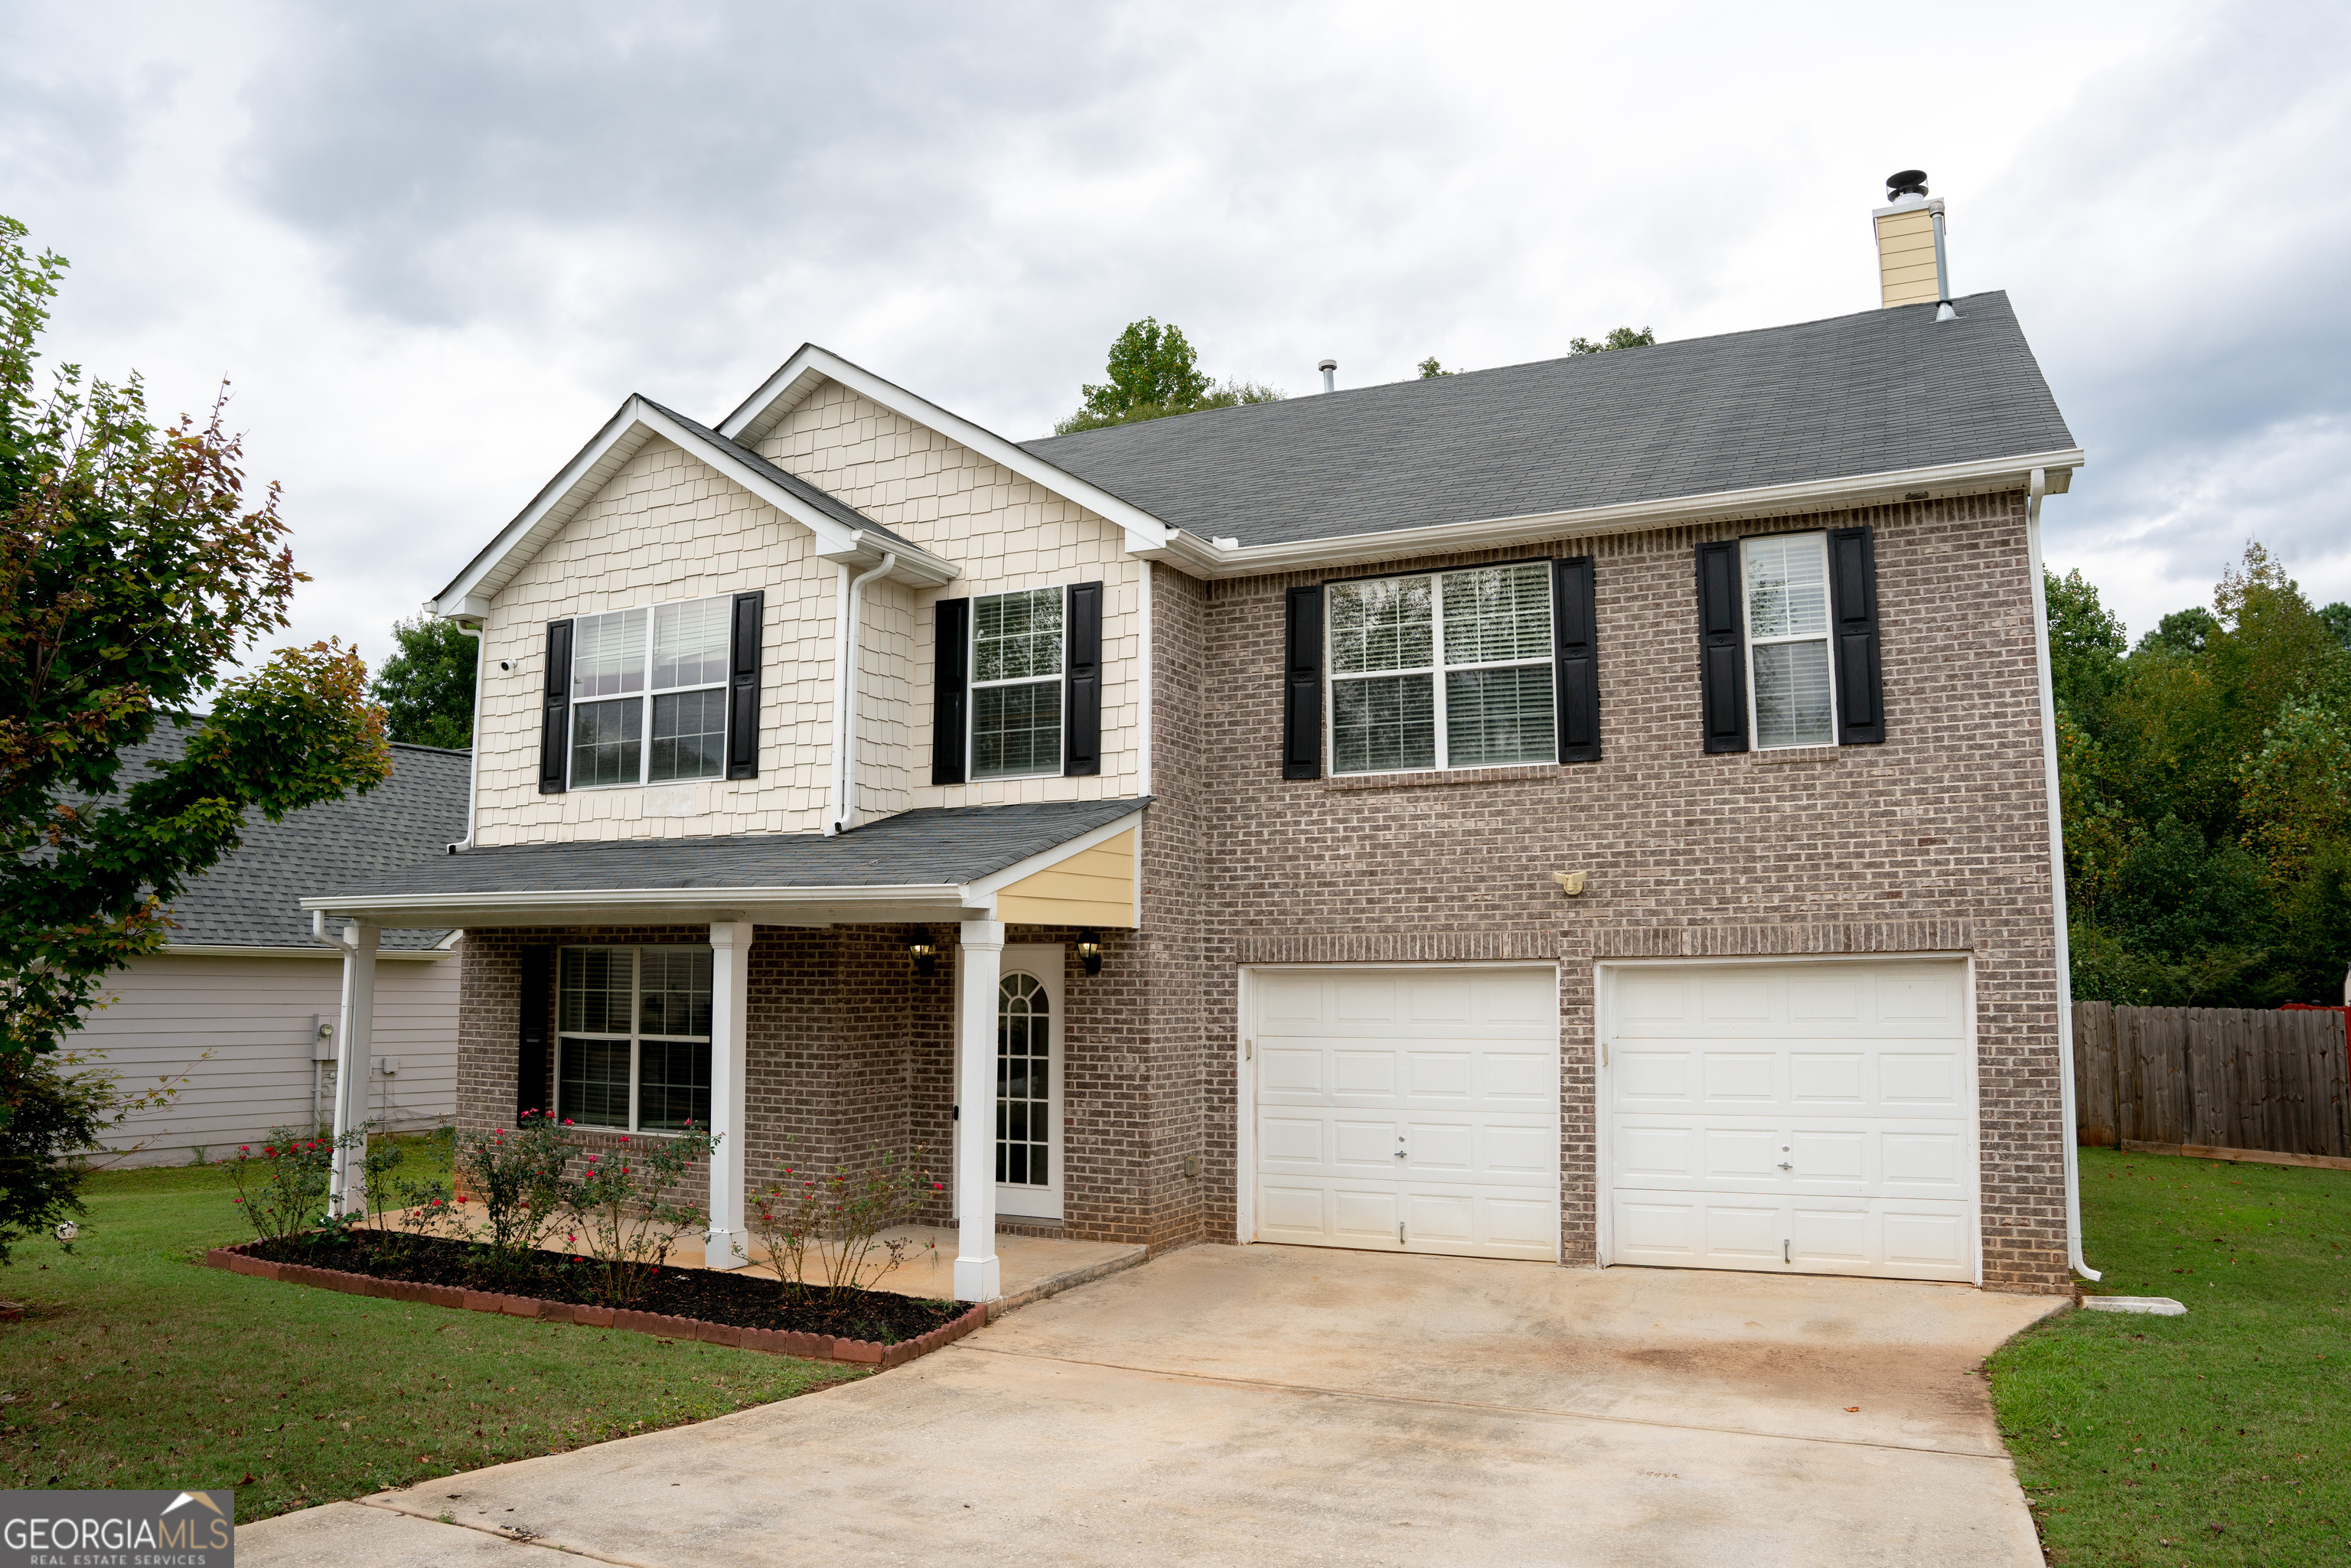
1090	951
925	956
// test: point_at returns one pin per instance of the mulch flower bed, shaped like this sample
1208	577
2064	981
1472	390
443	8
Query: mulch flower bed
871	1327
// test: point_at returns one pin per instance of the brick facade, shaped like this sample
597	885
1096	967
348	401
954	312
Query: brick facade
1935	841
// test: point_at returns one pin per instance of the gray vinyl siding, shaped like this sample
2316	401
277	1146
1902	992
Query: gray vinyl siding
255	1016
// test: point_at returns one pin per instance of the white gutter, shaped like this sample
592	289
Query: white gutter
254	950
2039	488
474	736
844	707
1197	557
1142	678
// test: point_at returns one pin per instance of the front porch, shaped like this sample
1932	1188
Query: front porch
805	998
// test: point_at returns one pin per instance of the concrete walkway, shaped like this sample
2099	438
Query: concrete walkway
1291	1405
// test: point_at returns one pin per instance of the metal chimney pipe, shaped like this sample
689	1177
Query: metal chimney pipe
1329	368
1943	307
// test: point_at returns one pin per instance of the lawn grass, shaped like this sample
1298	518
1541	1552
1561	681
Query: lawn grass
2222	1437
137	1366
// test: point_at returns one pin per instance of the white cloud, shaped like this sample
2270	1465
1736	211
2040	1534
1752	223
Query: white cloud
435	245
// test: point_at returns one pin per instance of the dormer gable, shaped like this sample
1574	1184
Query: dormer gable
843	536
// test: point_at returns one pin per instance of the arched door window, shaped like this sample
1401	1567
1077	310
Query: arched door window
1024	1083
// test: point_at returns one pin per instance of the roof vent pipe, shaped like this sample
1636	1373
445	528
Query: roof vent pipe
1329	368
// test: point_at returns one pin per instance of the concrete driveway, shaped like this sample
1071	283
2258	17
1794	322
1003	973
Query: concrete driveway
1292	1405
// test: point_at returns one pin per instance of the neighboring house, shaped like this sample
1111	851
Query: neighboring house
1595	811
244	1001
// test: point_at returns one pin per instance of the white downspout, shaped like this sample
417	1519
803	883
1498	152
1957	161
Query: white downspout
2039	488
473	747
1142	678
844	750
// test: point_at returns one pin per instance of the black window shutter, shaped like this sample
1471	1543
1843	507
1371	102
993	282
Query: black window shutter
1082	680
531	1065
1301	697
555	725
1575	660
950	688
743	687
1721	657
1853	600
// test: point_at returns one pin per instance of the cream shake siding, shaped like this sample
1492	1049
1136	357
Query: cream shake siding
666	526
1002	532
257	1016
886	728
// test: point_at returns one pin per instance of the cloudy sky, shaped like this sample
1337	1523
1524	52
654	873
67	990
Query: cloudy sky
434	245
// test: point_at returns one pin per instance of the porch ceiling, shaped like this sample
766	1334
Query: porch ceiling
934	864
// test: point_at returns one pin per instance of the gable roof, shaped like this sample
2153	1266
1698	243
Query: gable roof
1784	408
811	366
253	898
844	535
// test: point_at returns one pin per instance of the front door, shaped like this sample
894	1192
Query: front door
1028	1028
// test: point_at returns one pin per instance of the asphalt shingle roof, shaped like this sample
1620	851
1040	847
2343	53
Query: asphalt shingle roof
252	898
1871	394
930	846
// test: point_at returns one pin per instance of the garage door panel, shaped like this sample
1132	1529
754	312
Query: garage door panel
1921	1082
1852	1076
1819	1080
1293	1141
1520	1155
1457	1070
1355	1074
1433	1000
1440	1075
1290	1069
1653	1079
1287	1209
1529	1078
1748	1232
1741	1154
1738	1078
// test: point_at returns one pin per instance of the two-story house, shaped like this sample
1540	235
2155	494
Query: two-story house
1598	809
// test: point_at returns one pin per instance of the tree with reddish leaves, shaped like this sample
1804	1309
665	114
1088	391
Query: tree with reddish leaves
133	576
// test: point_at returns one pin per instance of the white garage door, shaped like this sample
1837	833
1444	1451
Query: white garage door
1792	1118
1407	1109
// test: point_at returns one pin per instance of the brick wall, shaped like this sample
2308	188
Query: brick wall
1936	840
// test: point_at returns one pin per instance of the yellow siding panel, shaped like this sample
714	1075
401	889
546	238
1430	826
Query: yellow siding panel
1092	887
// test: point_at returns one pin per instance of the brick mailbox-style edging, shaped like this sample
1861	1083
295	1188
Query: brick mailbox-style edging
239	1260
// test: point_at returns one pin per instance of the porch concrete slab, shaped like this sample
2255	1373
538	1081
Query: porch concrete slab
1031	1266
1224	1404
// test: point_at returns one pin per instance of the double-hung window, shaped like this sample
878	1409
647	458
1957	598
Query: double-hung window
649	695
632	1038
1790	690
1448	669
1016	684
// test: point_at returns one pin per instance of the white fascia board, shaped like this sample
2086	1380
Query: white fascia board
763	905
983	890
623	436
1196	557
229	950
765	408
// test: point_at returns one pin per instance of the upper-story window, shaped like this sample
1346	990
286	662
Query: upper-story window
1444	670
649	695
1016	684
1790	693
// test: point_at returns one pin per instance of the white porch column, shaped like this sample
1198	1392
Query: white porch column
354	1060
978	969
727	1243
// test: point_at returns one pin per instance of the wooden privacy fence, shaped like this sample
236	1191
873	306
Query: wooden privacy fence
2239	1078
